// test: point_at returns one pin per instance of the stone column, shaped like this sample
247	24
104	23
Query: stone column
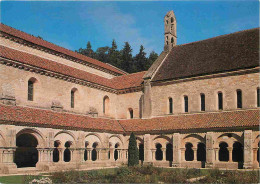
1	155
126	154
248	149
210	159
147	149
176	150
183	154
195	153
89	150
164	154
255	154
61	150
230	149
153	154
112	150
216	154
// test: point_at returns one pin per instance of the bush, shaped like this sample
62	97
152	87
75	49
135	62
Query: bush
133	153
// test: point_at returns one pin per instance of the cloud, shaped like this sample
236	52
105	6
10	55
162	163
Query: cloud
118	25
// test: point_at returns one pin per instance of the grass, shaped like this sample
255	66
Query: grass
145	174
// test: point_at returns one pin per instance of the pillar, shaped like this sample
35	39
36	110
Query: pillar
195	154
230	149
183	154
216	154
176	150
164	154
112	150
210	159
248	149
147	149
153	154
147	105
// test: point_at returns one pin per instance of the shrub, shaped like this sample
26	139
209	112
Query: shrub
133	153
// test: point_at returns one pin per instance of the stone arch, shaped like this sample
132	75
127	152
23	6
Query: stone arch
114	139
34	132
194	139
256	141
161	139
91	138
229	138
64	136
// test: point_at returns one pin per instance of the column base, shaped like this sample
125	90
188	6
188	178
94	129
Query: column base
248	165
9	168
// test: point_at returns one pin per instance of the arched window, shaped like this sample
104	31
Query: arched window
169	152
223	152
220	101
189	153
258	97
94	151
172	20
239	98
31	83
170	106
141	152
106	105
172	40
186	104
131	113
116	151
67	153
202	102
56	154
158	152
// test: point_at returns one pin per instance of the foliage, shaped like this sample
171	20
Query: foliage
133	153
121	59
144	174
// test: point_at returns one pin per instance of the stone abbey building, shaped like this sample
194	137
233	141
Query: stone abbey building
197	106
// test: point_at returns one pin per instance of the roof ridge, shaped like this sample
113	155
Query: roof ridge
220	36
60	47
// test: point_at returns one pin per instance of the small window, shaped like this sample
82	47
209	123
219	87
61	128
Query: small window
239	98
131	113
170	106
172	20
202	102
186	104
30	90
72	99
258	97
220	101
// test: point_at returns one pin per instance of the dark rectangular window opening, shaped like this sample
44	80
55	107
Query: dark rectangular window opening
239	99
30	90
72	99
186	104
258	97
202	98
170	106
220	101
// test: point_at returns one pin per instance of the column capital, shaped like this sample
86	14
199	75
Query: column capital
229	148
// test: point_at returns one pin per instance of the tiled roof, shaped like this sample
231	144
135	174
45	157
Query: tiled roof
241	118
120	82
14	32
224	53
38	117
47	118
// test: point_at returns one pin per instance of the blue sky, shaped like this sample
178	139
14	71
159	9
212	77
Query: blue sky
72	24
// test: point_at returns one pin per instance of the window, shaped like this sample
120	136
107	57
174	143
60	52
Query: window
72	99
106	105
220	101
202	102
31	85
172	20
186	104
131	113
170	106
258	97
239	98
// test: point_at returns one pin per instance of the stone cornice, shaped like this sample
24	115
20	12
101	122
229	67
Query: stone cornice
56	53
56	75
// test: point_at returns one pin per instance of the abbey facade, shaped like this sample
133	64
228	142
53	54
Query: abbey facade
197	106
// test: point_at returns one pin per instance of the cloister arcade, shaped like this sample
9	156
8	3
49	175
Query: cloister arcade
34	147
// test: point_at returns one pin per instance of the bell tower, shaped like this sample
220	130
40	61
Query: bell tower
170	36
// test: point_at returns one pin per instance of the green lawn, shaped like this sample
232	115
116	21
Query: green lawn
11	179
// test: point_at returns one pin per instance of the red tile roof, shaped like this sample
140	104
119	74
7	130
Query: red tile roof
242	118
47	118
38	117
120	82
14	32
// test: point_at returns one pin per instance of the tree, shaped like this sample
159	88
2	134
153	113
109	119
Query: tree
133	153
114	56
140	60
127	59
152	57
102	54
87	51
